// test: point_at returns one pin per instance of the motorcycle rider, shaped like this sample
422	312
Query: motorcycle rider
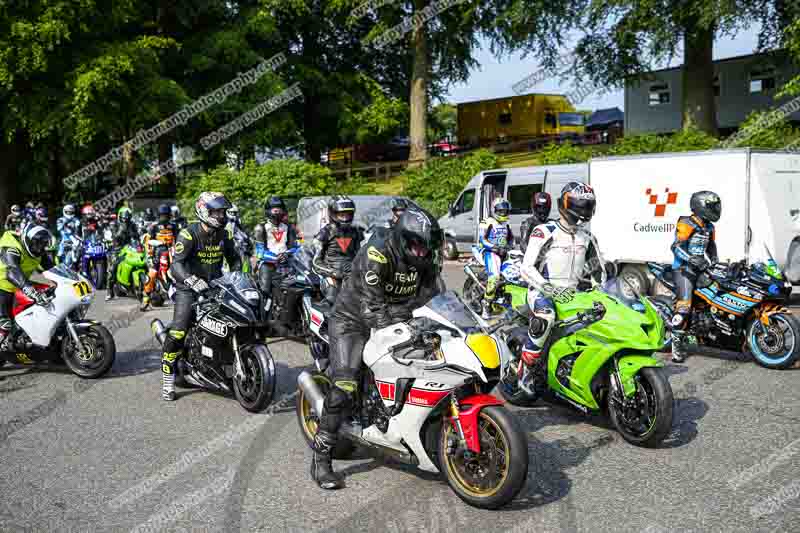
19	258
273	238
390	278
89	221
199	252
494	239
177	220
336	245
124	234
29	211
398	207
40	217
695	249
541	204
240	238
164	231
560	255
14	219
67	225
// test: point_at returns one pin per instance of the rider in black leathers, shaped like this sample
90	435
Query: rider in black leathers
336	245
199	252
541	204
391	277
125	233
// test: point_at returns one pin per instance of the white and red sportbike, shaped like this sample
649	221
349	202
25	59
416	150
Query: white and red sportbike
424	400
58	330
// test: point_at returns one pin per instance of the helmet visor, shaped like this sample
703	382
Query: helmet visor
344	217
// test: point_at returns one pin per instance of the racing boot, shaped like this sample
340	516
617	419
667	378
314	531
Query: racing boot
679	345
322	462
145	303
172	349
486	314
110	292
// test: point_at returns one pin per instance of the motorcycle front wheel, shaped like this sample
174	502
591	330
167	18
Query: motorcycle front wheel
645	419
98	275
255	391
492	478
99	352
776	346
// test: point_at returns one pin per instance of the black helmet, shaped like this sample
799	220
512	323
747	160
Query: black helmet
275	210
418	237
211	208
29	205
148	213
542	203
36	239
706	205
163	212
341	210
577	203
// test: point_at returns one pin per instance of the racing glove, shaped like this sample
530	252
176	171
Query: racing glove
198	285
698	262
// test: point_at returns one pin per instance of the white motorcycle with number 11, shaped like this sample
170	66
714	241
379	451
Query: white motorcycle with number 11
59	330
424	399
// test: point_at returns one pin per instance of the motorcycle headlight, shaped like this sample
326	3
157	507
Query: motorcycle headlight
252	296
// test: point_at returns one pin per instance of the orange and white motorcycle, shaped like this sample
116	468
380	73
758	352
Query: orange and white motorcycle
424	400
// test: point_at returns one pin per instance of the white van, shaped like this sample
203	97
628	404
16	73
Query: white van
517	185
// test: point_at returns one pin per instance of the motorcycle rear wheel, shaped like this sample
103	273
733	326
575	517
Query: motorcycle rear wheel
784	329
101	349
498	473
255	392
654	395
309	422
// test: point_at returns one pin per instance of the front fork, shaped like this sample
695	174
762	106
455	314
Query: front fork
238	371
74	336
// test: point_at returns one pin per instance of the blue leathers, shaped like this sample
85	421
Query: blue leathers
494	240
69	230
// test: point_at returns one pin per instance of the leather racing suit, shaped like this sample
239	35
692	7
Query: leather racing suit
164	232
335	248
558	258
694	238
198	253
16	267
381	290
67	227
124	234
271	242
494	240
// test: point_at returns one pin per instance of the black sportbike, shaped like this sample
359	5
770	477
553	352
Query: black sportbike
739	307
223	351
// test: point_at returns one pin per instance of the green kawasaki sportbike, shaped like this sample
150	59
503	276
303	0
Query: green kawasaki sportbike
598	358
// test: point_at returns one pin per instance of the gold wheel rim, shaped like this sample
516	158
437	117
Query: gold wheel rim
493	441
310	426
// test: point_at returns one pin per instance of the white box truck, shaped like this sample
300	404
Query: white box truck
639	200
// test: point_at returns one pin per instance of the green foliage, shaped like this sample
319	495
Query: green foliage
375	122
435	185
442	122
250	187
792	88
559	154
778	134
688	139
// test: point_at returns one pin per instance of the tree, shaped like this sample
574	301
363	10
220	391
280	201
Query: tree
623	39
442	122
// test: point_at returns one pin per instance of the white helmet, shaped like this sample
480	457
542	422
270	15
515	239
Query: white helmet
69	210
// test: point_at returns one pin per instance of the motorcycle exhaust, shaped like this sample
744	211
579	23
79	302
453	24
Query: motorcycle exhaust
468	270
159	330
311	391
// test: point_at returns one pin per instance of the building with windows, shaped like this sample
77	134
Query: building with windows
742	85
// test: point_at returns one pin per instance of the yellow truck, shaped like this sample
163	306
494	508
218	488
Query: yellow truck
518	118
